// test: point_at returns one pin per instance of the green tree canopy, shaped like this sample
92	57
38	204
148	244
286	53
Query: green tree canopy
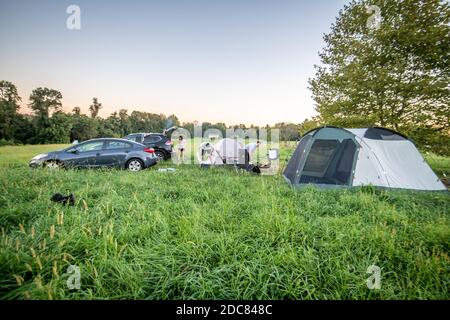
395	74
43	101
9	105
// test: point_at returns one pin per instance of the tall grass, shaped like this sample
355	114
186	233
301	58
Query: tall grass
213	234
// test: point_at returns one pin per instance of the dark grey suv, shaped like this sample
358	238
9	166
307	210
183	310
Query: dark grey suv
158	141
96	153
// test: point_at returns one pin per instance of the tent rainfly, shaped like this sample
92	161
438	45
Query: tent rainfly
330	156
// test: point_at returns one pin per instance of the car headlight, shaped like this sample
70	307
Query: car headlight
40	156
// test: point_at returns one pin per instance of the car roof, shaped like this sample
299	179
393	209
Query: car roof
111	139
147	133
106	139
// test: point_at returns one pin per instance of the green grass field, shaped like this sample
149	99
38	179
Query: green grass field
213	234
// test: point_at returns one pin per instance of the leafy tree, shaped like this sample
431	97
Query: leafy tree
172	121
396	75
109	127
147	122
59	129
83	128
206	126
43	102
76	111
189	126
288	131
56	130
24	130
9	105
124	123
95	107
309	124
220	126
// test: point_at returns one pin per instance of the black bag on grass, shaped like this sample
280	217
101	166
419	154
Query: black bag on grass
65	200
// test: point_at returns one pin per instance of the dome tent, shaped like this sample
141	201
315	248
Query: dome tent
331	156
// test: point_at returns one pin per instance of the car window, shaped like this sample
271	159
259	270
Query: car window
131	137
117	145
90	146
152	139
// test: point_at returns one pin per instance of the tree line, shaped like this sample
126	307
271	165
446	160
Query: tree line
48	123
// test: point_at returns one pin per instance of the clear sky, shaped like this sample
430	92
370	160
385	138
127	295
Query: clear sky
232	61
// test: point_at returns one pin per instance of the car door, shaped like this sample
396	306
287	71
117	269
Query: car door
114	153
85	154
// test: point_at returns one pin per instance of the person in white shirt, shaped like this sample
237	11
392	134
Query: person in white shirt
181	149
206	150
251	149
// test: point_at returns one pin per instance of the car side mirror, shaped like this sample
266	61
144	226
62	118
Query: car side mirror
74	151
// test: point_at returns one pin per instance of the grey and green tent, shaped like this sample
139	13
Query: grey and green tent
331	156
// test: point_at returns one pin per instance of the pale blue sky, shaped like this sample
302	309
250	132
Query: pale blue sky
230	61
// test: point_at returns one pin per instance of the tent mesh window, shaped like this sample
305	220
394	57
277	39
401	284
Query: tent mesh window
383	134
329	162
291	169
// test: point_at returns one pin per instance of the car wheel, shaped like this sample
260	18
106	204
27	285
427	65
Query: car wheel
53	165
160	156
135	165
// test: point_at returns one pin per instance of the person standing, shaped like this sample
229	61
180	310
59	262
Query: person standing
181	149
